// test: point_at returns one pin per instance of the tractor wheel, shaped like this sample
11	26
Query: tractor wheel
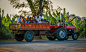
61	33
75	36
66	37
19	37
29	36
49	37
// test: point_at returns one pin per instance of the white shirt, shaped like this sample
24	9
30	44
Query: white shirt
41	17
39	20
19	20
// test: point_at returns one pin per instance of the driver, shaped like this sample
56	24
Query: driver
59	23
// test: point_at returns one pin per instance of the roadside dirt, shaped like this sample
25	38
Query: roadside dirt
44	47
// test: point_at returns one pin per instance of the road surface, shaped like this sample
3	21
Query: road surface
44	46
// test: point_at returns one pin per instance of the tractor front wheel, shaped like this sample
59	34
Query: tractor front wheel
75	36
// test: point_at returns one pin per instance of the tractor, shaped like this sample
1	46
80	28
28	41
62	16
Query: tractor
27	31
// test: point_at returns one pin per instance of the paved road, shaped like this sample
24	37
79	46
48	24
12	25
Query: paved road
44	46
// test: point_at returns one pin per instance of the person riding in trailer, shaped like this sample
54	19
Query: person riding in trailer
19	19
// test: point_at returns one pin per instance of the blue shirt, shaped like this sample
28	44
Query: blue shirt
19	19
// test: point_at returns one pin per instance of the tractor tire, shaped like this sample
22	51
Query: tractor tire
61	33
29	36
49	37
75	36
66	37
19	37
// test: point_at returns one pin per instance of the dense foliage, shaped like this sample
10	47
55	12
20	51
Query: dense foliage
5	33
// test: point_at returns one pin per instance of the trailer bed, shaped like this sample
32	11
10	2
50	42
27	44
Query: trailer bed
29	26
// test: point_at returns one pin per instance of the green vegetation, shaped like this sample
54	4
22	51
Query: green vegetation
35	7
5	33
56	16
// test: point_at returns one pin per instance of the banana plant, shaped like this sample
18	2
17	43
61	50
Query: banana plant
46	16
52	19
6	21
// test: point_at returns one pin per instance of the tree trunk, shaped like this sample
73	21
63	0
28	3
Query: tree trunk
41	9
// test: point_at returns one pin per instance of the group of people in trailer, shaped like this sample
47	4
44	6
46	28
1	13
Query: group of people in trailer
34	19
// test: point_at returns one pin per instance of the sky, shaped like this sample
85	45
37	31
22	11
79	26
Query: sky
77	7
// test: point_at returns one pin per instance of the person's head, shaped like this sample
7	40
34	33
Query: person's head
27	17
40	15
20	16
37	16
59	21
30	17
34	15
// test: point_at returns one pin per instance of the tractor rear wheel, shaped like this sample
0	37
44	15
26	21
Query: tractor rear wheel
61	33
75	36
19	37
49	36
29	36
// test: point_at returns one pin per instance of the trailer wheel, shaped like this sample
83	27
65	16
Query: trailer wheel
61	33
19	37
75	36
29	36
49	36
